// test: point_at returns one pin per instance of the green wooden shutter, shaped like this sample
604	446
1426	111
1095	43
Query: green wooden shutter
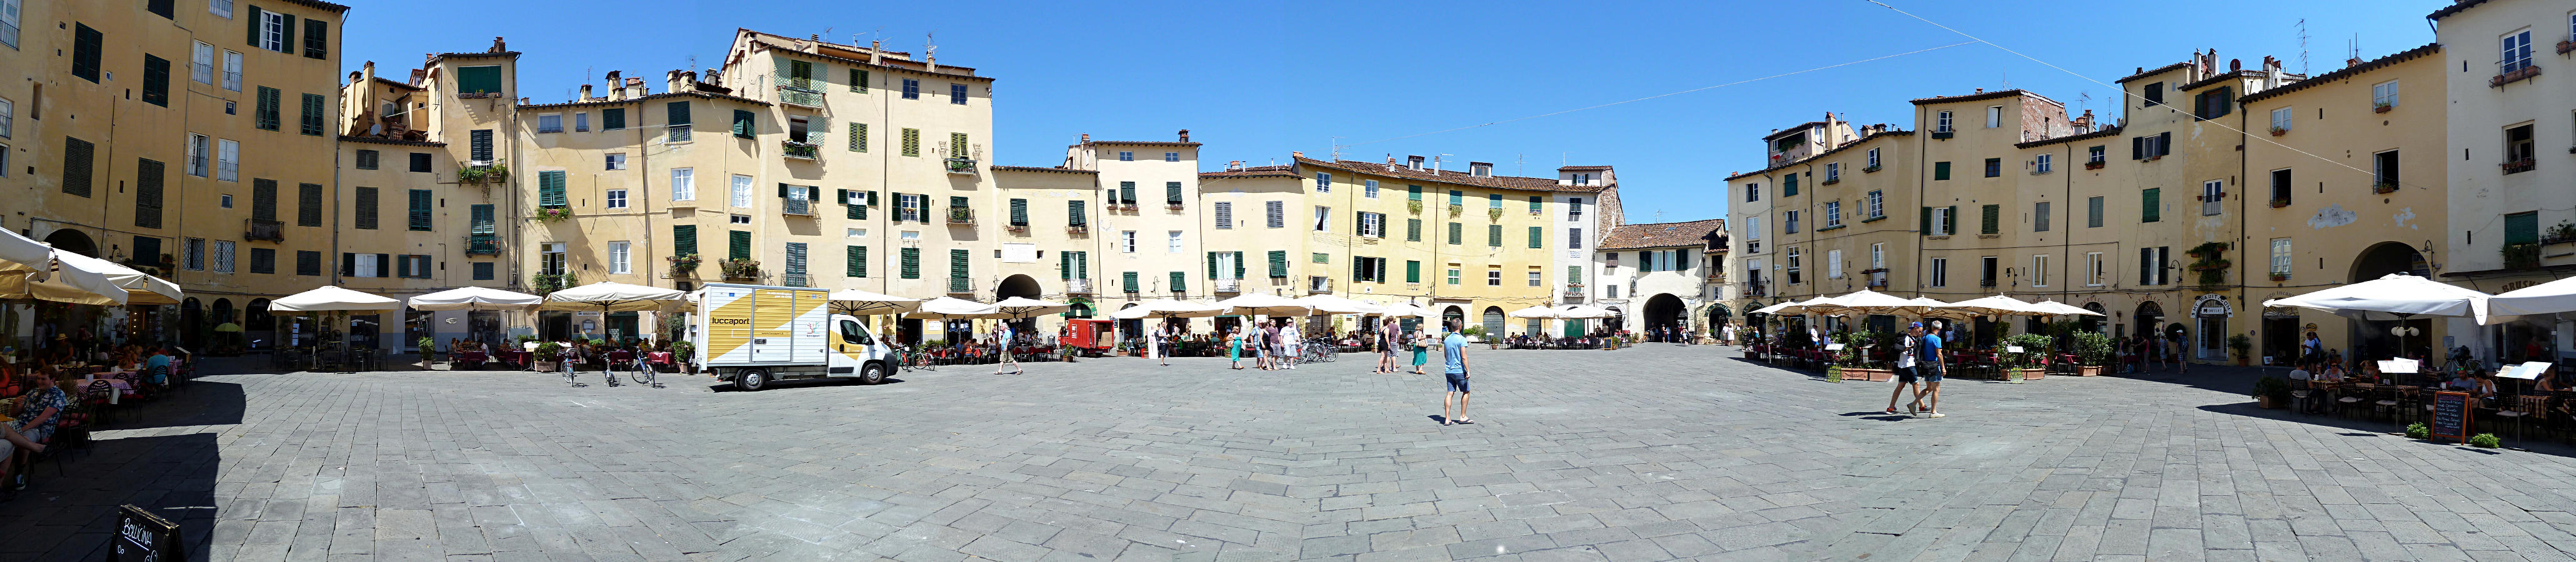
738	244
742	123
147	195
287	44
1180	282
911	263
420	202
613	118
1456	232
1953	226
308	204
1534	234
263	193
1172	192
2151	209
156	81
858	80
317	39
1574	274
1925	227
1412	271
957	146
1993	215
1238	265
1074	215
957	265
1064	265
1413	193
479	221
1940	170
1494	235
254	19
677	113
1019	212
1130	278
858	137
1413	230
1278	263
858	261
684	238
550	189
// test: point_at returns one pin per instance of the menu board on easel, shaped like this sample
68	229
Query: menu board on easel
2450	416
144	537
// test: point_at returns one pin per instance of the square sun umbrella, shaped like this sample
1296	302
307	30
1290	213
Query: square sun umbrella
2546	298
140	288
333	299
1250	304
28	270
1328	304
1402	310
1168	308
855	302
2397	296
476	298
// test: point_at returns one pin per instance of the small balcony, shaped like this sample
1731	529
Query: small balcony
790	94
961	166
797	150
794	280
1319	284
961	285
273	231
1574	290
1078	230
2512	71
483	245
1941	134
961	215
1756	290
1077	286
1229	285
796	206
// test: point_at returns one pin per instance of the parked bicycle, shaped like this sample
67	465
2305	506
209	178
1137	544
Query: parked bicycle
1318	350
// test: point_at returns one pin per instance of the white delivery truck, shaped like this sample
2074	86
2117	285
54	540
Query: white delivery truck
753	334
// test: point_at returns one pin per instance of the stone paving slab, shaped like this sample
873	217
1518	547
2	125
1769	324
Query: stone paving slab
1651	453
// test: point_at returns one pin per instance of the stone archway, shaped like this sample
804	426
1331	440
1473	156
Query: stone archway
2370	339
192	322
1493	322
1018	286
1663	311
73	241
1453	315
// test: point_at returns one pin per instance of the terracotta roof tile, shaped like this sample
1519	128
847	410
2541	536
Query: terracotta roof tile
1845	146
1279	171
2348	72
1002	168
1462	178
2454	8
2154	71
1661	235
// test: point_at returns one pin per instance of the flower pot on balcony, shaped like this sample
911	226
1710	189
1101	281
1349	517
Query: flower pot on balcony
2279	203
2089	371
2277	131
2095	165
2381	108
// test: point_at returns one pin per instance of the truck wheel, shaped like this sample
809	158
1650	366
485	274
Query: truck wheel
751	379
872	373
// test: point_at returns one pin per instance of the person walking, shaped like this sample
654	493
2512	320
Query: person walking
1928	366
1453	353
1421	351
1907	358
1292	342
1386	343
1233	350
1154	346
2175	346
1008	360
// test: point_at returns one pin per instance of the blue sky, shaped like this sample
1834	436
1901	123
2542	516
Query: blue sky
1256	80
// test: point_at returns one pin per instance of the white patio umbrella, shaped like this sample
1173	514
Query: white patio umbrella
1021	308
2396	296
1927	307
855	302
1168	308
476	298
20	254
1999	305
950	308
2054	307
1403	310
140	288
2545	298
1867	301
331	299
1536	312
1328	304
1583	311
1249	304
612	297
28	270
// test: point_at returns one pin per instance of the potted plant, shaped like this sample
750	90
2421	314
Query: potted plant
2419	430
547	356
1494	213
2521	256
2271	392
681	352
544	283
2095	165
2280	277
2243	346
2095	352
427	347
553	214
2383	187
2485	441
2034	348
2278	131
2279	202
1414	206
740	269
683	265
2381	107
1454	209
1855	358
2561	233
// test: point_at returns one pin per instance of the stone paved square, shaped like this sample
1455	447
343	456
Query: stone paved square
1650	453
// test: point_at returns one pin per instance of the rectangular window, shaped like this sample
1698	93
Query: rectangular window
912	142
550	123
199	148
1076	215
911	89
581	122
1457	233
1323	182
1224	215
1373	225
1126	193
366	160
858	137
1789	222
1940	170
1453	276
740	197
232	74
1493	200
744	124
1833	264
1940	272
1833	172
684	184
1877	203
1994	116
308	263
308	204
618	253
2281	120
1493	278
1994	167
1369	189
1941	122
317	39
1872	159
1126	156
201	63
795	269
1457	198
1789	185
1945	221
2281	187
479	143
1323	219
2383	170
219	256
957	94
2518	150
2093	212
1993	219
266	114
1752	192
88	45
684	237
2095	155
419	215
2383	94
2522	228
2094	268
1793	263
616	199
1020	213
2153	94
2044	164
1171	157
680	121
550	189
312	116
1574	239
2039	216
1413	230
2211	192
2150	205
2516	52
1537	237
2039	270
1494	235
1127	241
1276	213
2280	257
2151	266
737	244
2215	103
612	119
1172	193
1833	214
908	265
615	161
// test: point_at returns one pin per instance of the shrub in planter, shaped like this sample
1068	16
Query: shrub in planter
2418	430
2485	441
2272	392
2242	345
427	346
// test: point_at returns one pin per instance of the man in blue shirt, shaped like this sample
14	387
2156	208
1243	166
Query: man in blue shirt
1929	367
157	369
1453	353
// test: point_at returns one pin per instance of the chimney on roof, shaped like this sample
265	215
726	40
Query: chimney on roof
2084	124
1296	154
1234	166
498	45
1185	135
2234	65
876	52
1413	163
585	93
1086	138
671	80
1480	169
1981	90
2352	62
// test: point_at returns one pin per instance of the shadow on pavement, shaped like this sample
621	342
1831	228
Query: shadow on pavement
2531	440
71	514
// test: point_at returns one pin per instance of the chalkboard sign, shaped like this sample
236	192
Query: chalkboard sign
2451	415
144	537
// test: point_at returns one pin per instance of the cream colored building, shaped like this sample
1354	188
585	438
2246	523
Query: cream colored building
2509	198
1660	276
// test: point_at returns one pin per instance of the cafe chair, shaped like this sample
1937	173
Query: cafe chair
2385	400
2350	396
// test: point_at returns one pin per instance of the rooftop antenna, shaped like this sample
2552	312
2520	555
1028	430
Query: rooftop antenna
1336	143
2303	45
2356	45
2008	80
1520	164
2084	100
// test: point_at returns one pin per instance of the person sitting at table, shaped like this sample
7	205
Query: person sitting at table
39	411
2333	372
157	369
2461	381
